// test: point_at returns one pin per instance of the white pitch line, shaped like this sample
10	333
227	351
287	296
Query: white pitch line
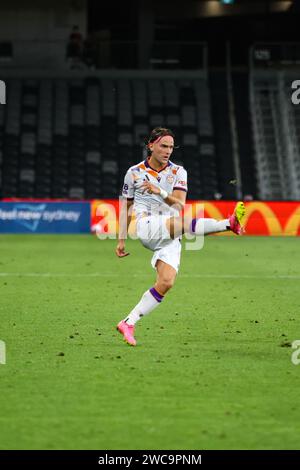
200	276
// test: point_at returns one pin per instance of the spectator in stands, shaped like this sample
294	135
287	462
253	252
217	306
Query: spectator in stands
75	48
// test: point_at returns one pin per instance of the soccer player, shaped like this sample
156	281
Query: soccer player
158	188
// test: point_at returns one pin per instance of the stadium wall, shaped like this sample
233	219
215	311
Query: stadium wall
101	216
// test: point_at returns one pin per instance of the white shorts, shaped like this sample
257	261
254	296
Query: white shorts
154	235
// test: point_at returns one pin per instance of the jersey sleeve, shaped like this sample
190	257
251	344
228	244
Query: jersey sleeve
181	180
128	188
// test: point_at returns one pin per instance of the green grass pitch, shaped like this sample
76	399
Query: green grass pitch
212	369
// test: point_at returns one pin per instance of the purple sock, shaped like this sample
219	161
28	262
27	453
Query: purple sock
193	226
156	294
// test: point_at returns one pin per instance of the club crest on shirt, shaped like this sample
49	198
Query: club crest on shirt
170	179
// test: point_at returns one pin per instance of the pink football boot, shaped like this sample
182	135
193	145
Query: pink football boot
235	220
127	331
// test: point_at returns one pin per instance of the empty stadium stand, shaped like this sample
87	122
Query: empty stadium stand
75	137
276	135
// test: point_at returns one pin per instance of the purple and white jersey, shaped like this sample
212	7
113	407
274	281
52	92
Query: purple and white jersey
171	177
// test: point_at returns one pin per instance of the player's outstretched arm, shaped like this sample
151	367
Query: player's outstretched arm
125	219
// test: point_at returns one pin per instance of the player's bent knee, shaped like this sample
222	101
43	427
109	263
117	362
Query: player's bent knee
167	283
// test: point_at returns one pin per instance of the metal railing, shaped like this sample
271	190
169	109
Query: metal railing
290	132
104	53
181	55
